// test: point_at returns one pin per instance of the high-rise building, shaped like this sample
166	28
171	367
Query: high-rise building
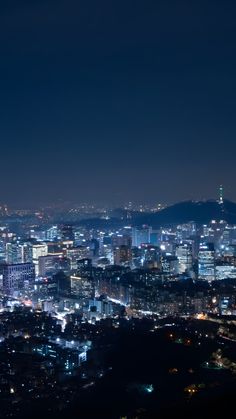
206	262
141	235
51	264
76	253
121	240
122	255
185	258
169	265
17	277
37	251
17	252
52	233
150	256
14	253
82	287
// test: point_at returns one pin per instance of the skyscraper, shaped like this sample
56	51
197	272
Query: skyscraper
122	255
185	257
17	252
141	235
16	277
206	262
37	251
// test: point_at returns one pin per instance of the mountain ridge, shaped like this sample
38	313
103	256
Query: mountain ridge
200	212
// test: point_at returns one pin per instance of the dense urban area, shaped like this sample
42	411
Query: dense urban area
92	304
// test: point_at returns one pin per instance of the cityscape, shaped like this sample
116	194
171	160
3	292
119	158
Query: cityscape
82	286
117	209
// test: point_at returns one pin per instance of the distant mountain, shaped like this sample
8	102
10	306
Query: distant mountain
201	212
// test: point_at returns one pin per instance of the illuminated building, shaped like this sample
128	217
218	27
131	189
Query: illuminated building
101	306
224	305
17	252
52	233
17	277
185	258
14	253
50	264
169	265
122	255
141	235
38	234
150	257
82	287
47	306
206	262
224	271
77	253
37	251
121	240
186	231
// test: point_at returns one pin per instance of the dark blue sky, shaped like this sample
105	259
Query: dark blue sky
117	100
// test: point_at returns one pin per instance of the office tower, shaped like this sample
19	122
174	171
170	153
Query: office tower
82	287
185	257
186	231
17	252
121	240
206	262
169	265
37	251
14	253
46	265
141	235
17	277
122	255
76	253
63	282
52	233
150	256
51	264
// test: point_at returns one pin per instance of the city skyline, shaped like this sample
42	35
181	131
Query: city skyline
117	209
117	102
148	205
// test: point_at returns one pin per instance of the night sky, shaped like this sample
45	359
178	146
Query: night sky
117	100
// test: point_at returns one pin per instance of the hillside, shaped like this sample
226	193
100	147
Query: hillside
200	212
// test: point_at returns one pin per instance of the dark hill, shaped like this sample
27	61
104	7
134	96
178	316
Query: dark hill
201	212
